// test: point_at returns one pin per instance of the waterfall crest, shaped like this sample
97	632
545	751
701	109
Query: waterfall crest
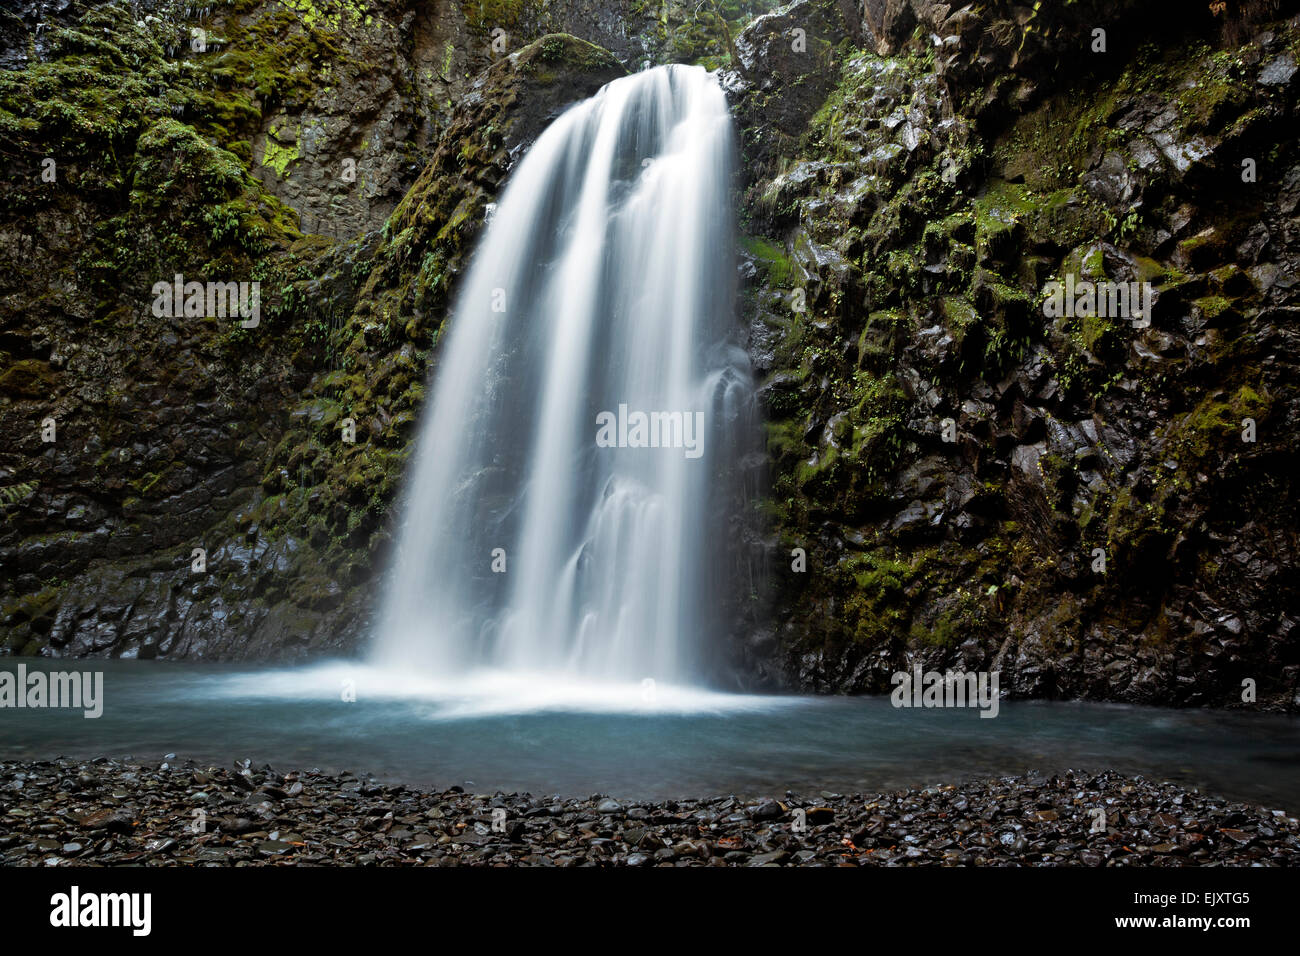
594	323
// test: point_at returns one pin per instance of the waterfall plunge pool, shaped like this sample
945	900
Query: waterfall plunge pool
543	734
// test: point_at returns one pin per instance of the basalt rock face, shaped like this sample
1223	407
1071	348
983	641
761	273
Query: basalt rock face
964	480
1097	505
789	63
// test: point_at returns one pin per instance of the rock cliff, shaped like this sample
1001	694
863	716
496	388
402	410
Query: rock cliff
1100	505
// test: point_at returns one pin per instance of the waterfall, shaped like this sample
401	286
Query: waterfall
541	529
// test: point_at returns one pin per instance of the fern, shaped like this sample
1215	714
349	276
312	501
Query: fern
11	495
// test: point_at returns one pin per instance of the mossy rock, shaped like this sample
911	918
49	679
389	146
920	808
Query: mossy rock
28	378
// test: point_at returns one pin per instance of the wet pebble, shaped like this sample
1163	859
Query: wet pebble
109	812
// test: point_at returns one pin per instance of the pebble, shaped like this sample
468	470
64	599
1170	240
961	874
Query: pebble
124	812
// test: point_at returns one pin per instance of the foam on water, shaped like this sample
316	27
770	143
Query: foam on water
480	693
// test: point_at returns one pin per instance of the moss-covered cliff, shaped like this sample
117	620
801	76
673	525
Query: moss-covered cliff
1076	501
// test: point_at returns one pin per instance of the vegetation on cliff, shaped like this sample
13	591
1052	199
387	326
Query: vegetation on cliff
976	483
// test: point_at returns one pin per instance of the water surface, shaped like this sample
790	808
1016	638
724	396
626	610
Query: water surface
547	735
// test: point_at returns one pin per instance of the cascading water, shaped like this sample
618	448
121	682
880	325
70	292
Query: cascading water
596	313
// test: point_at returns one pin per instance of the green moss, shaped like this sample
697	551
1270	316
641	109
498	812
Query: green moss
958	314
556	54
277	157
878	406
839	113
784	439
874	608
950	629
1213	306
1000	209
28	378
885	332
1206	439
771	258
485	14
35	605
328	14
1215	424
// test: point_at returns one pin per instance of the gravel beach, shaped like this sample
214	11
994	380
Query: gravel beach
123	812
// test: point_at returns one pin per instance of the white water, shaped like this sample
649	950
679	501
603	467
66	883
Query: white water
483	693
611	252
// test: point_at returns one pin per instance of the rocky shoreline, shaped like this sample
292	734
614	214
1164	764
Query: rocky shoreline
121	812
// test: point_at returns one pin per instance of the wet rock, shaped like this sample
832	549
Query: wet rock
1034	819
110	820
1279	71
